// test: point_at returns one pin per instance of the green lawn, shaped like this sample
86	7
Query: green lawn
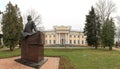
81	58
89	58
7	53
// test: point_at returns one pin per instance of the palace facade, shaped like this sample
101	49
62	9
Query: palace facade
63	35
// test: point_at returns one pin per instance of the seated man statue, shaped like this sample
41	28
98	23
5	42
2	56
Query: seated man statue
30	28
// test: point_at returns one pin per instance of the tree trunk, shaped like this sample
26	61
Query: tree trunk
11	48
20	45
96	47
110	48
103	46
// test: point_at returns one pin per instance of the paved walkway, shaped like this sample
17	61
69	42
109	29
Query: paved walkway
10	63
52	63
118	49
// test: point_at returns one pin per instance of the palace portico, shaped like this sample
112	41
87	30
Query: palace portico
63	35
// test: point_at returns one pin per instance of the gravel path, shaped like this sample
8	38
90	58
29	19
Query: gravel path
10	63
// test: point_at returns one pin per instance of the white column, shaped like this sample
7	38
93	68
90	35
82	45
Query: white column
48	39
56	38
59	39
64	38
68	39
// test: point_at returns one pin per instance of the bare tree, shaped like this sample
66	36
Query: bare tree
117	36
36	17
104	9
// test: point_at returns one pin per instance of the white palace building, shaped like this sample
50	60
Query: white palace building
63	35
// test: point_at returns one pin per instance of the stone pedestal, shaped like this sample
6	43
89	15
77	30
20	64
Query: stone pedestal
32	49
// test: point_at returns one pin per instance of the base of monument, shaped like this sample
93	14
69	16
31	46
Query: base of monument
32	64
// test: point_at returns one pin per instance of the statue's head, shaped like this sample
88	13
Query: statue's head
29	18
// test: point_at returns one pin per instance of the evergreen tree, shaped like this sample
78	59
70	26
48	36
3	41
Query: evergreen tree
107	33
12	26
92	28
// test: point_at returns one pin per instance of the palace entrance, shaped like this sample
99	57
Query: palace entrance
62	38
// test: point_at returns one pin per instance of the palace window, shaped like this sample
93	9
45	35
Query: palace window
74	41
82	36
70	35
74	36
46	41
82	41
49	35
78	42
54	41
70	41
46	36
50	41
78	36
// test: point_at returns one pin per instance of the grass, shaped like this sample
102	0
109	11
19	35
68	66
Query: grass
89	58
5	53
80	58
65	63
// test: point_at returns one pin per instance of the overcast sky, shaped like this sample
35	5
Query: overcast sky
59	12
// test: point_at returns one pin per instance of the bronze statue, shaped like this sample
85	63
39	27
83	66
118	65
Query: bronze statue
32	49
30	27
